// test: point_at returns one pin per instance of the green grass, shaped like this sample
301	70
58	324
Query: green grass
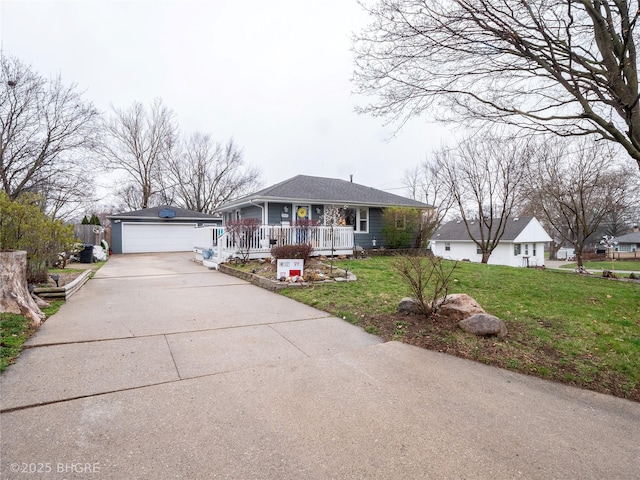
15	330
566	327
625	265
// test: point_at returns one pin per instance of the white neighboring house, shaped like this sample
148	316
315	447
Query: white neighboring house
521	245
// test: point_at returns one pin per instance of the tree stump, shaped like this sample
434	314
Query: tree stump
14	291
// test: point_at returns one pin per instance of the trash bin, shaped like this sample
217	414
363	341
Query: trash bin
86	254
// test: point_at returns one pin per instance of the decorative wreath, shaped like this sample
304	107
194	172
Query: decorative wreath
302	212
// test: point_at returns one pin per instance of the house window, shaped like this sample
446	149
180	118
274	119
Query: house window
358	218
363	220
526	249
534	250
479	250
447	247
517	248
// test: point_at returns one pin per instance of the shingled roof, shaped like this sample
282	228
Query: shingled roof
633	237
154	212
456	229
308	189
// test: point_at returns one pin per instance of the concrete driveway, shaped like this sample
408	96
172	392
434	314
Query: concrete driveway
159	368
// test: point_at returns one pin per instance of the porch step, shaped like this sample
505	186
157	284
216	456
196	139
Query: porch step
211	264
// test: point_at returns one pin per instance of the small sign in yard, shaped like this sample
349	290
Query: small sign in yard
290	267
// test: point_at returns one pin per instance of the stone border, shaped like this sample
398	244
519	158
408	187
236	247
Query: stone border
65	291
275	285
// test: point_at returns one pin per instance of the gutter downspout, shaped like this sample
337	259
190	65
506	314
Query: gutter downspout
261	208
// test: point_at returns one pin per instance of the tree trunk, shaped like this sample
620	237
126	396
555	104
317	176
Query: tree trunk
14	291
485	257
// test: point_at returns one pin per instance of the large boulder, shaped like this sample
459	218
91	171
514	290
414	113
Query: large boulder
484	325
409	306
459	306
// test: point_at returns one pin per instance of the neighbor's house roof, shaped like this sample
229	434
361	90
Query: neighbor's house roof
516	227
633	237
321	190
154	213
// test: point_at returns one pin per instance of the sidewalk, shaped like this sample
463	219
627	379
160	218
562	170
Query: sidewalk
159	368
557	264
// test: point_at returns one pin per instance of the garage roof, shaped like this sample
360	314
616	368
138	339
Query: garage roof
164	212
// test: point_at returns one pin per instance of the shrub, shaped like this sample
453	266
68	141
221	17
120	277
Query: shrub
302	251
24	226
399	225
427	278
404	227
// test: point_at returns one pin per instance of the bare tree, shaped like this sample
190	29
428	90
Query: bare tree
332	217
206	174
139	143
70	192
484	176
412	182
562	66
578	185
45	128
425	184
244	235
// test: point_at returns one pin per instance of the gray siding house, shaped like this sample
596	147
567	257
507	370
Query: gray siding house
628	245
304	198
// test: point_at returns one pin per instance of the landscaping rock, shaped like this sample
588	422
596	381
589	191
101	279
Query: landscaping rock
484	325
409	306
581	271
459	306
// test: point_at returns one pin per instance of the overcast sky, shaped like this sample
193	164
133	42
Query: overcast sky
274	75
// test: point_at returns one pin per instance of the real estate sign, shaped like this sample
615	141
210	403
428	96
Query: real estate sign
290	267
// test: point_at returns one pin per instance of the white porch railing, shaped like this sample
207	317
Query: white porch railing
218	245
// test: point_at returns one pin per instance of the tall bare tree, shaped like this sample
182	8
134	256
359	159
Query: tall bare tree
425	184
578	185
484	177
45	129
205	174
140	142
562	66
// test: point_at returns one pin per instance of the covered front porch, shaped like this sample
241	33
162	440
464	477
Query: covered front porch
216	245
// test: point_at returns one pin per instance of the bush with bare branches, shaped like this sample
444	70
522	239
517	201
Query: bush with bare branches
427	277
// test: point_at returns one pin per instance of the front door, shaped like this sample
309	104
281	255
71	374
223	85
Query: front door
302	212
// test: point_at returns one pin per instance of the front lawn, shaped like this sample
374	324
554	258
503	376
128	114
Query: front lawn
15	330
580	330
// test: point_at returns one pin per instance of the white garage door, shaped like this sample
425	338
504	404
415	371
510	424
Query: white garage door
157	237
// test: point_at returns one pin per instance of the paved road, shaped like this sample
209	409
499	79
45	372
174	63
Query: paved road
159	368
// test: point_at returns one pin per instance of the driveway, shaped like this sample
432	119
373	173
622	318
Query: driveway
159	368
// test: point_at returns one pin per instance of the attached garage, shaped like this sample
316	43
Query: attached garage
158	229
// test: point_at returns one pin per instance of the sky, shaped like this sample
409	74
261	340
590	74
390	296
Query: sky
273	75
